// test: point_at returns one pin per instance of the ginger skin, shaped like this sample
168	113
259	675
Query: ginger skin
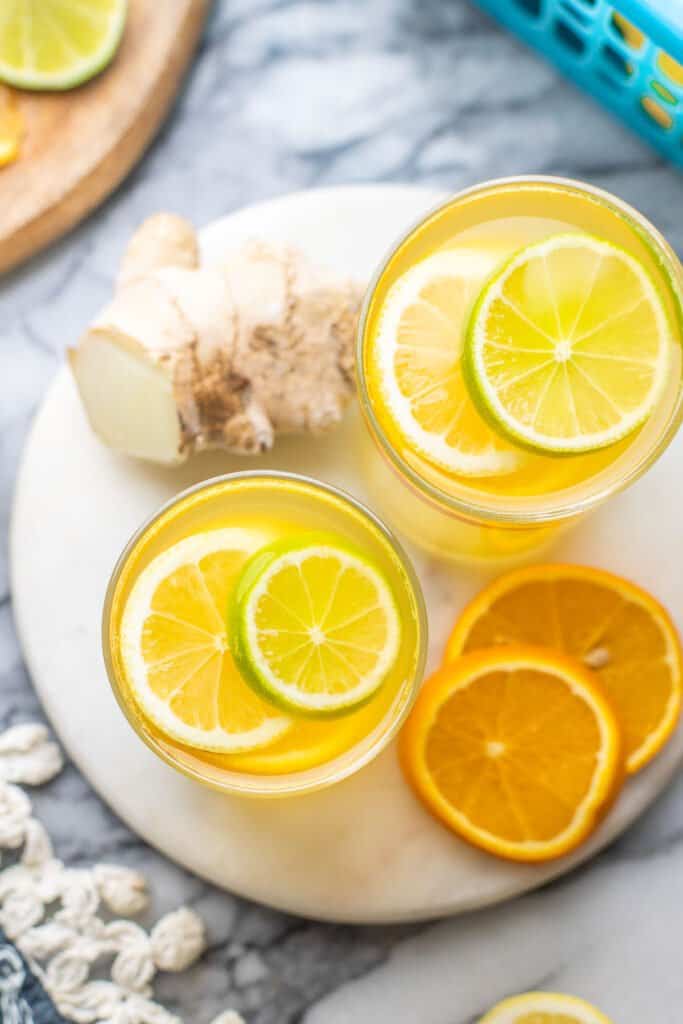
186	358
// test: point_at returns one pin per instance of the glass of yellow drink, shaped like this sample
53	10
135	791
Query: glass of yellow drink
288	753
508	498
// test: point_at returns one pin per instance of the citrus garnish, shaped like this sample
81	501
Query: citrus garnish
315	626
11	126
544	1008
175	649
568	346
417	365
612	626
58	44
517	750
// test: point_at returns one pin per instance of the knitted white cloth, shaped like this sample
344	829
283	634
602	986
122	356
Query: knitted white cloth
67	921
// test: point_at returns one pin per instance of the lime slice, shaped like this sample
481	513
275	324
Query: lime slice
416	365
58	44
175	649
568	348
315	626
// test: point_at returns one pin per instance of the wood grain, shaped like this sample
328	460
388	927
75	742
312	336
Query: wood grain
78	145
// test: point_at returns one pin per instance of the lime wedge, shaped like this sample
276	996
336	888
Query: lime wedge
315	628
58	44
568	347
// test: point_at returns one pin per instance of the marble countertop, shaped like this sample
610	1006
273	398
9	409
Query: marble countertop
288	94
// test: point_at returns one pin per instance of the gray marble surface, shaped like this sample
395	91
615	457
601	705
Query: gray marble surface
285	95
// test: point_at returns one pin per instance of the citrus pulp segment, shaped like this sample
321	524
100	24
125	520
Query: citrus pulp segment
416	362
175	648
568	346
609	624
517	750
316	626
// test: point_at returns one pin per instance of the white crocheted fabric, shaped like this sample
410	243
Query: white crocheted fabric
68	922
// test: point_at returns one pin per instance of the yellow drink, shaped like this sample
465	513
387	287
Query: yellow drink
312	752
499	516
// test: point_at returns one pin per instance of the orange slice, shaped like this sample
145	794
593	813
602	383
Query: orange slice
517	750
612	626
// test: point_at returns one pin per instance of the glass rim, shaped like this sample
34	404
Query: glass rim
328	772
471	509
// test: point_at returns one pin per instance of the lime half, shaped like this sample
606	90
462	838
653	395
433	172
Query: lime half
568	347
315	628
58	44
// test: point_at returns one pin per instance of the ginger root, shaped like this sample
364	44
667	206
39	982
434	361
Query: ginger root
187	358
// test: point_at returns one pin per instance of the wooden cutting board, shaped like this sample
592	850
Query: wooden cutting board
78	145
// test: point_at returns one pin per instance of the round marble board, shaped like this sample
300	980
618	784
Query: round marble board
365	850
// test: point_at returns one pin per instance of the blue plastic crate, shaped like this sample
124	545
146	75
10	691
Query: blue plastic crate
629	55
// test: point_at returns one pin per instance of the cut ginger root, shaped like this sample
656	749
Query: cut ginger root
187	357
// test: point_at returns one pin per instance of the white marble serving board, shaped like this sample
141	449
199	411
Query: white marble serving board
365	850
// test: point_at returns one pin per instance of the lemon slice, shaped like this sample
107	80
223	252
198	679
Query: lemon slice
417	363
544	1008
568	347
175	649
315	626
58	44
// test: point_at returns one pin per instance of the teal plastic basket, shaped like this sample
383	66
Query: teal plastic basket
629	55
